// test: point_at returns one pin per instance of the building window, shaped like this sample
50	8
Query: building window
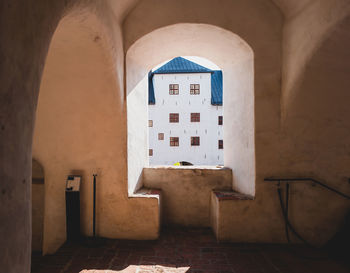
173	117
221	144
195	117
194	89
174	141
195	141
150	123
220	120
173	89
150	152
160	136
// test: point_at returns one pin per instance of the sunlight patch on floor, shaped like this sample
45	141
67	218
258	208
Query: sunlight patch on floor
142	269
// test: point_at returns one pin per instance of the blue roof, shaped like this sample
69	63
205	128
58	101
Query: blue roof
181	65
151	98
216	87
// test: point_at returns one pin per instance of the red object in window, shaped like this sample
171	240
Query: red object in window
173	117
195	141
221	144
194	89
220	120
173	89
174	141
195	117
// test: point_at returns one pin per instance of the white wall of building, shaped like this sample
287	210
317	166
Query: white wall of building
207	129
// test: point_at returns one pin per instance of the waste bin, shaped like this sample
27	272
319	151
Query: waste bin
73	207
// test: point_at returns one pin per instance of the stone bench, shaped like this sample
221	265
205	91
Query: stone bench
223	204
146	205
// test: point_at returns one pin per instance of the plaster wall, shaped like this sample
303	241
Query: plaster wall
293	149
137	117
26	29
81	129
316	122
256	23
314	137
214	214
230	228
186	192
208	130
300	43
25	32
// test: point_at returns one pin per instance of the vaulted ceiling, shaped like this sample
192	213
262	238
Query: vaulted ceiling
289	8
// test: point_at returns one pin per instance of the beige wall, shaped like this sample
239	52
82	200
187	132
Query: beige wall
25	40
251	119
81	128
101	146
137	130
300	43
186	192
316	125
300	147
96	73
313	140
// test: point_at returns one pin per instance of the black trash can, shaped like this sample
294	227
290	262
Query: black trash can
73	208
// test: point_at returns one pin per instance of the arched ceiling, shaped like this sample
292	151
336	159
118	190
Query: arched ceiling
288	7
291	7
121	8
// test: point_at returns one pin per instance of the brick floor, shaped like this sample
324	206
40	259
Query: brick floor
185	250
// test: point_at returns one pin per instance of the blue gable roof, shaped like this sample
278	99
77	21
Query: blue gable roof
181	65
151	98
216	87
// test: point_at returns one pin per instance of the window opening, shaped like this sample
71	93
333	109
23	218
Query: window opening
195	141
173	89
242	103
174	141
160	136
150	123
220	120
173	117
194	89
150	152
221	144
195	117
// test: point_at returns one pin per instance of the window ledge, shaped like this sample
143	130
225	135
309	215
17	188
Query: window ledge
232	195
187	167
147	193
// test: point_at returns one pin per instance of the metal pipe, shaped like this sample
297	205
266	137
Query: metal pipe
307	179
279	192
94	208
287	209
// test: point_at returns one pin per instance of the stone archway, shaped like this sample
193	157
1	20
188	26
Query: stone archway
79	124
230	53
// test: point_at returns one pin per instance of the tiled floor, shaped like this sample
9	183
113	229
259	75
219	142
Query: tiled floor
190	250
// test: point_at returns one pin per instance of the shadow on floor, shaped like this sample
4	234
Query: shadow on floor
185	250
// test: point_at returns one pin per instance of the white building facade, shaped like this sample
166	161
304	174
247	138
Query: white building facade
185	120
